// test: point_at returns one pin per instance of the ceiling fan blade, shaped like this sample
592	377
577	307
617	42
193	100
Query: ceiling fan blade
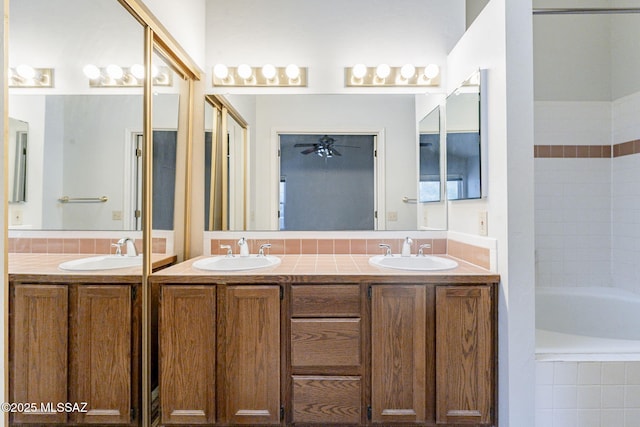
308	150
305	145
350	146
335	152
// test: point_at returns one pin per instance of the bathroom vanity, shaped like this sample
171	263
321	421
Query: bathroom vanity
75	340
327	340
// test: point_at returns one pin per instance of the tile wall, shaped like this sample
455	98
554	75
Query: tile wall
625	195
587	394
573	193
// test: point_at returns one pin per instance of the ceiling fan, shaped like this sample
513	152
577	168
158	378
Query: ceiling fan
324	147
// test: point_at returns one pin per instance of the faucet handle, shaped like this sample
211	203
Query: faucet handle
387	248
426	245
228	248
118	247
262	247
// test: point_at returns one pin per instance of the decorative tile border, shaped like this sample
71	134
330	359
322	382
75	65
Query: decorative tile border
586	151
572	151
626	148
75	245
293	246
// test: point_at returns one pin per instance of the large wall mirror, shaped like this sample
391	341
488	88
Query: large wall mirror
273	120
85	132
466	159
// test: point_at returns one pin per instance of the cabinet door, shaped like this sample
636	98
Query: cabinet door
464	367
398	360
40	348
187	354
252	346
103	353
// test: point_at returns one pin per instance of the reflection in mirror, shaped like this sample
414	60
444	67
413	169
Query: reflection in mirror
79	175
463	141
17	160
429	144
225	192
391	118
327	182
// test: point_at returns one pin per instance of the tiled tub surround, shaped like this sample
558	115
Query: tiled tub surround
587	394
587	193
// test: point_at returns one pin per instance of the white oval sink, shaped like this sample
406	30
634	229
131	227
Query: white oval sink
102	262
225	263
420	263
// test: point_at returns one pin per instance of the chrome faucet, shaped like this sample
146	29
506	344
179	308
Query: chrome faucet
244	247
130	245
229	250
262	247
406	247
420	249
387	248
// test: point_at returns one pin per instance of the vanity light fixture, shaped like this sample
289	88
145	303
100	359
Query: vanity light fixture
267	75
27	76
116	76
383	75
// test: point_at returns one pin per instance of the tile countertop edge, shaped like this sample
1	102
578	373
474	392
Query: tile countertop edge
33	266
322	268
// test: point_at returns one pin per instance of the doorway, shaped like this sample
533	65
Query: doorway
327	182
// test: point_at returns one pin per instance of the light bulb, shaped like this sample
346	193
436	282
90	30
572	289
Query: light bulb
244	71
26	71
383	71
155	71
359	71
91	71
137	71
407	71
293	71
431	71
221	71
114	71
268	71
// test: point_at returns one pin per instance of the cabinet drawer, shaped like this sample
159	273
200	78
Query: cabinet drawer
327	399
325	342
325	301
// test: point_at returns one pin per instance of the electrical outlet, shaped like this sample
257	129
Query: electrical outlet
482	223
392	216
16	217
116	215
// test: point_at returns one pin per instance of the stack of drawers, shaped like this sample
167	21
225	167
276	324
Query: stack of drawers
327	368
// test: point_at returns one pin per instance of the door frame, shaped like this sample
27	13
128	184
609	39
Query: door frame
378	168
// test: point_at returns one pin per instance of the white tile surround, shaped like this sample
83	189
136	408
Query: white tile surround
587	394
587	218
587	211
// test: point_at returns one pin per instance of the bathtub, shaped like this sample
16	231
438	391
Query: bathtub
587	324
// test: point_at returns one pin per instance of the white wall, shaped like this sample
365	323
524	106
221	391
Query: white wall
328	35
185	21
500	40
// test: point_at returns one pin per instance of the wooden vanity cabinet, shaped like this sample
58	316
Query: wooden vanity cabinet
402	353
327	354
465	356
220	354
75	343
